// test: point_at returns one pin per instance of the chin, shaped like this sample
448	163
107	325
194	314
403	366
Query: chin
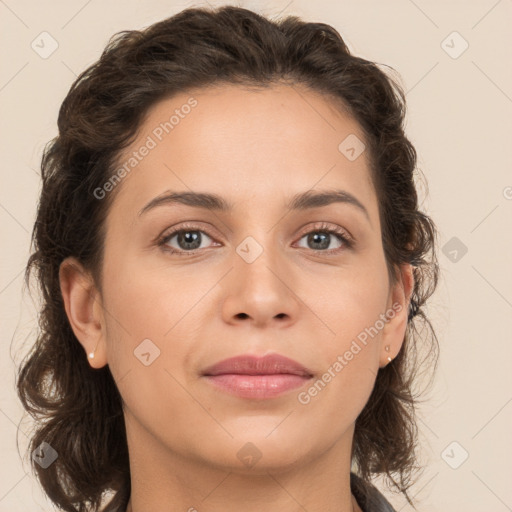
258	453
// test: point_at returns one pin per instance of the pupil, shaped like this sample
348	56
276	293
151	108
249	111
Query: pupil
324	243
190	241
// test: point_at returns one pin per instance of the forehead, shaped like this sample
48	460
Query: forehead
246	144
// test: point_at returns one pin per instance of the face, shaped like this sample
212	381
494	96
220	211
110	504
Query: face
186	284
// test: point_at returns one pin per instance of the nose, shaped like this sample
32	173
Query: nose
262	293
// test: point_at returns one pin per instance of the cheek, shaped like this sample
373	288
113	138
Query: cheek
348	301
148	300
138	313
350	309
148	331
155	314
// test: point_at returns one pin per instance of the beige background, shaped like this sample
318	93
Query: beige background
459	118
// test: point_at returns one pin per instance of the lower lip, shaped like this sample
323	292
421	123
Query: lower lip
257	386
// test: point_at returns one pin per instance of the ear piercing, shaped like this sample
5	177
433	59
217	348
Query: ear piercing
387	348
91	355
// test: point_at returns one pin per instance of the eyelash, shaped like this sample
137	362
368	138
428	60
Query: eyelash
341	234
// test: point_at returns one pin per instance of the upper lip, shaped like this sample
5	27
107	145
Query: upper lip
247	364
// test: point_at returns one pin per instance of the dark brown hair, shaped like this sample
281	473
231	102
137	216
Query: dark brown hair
78	409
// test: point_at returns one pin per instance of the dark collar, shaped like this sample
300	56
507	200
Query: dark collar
368	497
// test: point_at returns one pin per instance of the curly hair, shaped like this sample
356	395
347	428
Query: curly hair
78	409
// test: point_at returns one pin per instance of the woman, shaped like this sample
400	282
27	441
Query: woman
232	263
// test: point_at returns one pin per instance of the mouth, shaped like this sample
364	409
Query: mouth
249	376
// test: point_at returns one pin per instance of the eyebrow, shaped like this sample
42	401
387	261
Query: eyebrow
303	201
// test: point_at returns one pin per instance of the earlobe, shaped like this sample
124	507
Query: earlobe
83	309
397	313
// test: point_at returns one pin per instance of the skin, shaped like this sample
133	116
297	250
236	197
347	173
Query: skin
256	149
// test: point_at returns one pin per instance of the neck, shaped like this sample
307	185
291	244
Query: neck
161	477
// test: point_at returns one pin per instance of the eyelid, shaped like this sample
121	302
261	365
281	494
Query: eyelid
162	239
330	228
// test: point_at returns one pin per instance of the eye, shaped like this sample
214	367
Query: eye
189	239
321	237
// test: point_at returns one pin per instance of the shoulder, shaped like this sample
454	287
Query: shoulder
368	496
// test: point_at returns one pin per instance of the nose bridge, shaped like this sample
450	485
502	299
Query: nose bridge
259	242
258	259
258	284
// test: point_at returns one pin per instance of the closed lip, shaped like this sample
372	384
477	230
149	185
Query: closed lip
248	364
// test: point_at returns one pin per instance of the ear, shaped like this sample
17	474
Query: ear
84	310
397	311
